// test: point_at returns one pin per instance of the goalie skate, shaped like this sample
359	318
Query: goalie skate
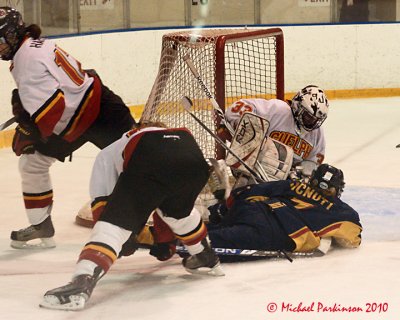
204	263
72	296
25	238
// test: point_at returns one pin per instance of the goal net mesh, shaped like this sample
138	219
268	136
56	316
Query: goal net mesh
233	63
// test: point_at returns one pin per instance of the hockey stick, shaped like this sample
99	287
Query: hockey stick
6	124
208	93
187	104
259	253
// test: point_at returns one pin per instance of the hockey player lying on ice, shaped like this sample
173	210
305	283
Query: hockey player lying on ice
286	215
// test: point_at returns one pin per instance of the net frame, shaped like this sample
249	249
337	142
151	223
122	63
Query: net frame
233	63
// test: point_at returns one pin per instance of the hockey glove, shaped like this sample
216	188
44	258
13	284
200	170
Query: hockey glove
24	141
163	251
158	238
164	246
21	115
217	212
129	247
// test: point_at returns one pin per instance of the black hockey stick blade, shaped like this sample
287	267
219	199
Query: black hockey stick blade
398	146
6	124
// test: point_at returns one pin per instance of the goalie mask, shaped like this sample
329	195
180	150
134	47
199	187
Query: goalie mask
12	32
328	180
310	107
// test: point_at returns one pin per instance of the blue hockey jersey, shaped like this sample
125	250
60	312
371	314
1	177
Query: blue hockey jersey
298	210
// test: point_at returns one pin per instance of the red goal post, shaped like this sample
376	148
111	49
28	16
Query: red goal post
233	63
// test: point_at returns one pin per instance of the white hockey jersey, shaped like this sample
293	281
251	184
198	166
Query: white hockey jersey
307	145
59	96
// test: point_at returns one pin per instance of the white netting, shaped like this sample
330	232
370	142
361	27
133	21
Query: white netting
233	63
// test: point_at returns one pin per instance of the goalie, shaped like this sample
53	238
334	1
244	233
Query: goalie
296	123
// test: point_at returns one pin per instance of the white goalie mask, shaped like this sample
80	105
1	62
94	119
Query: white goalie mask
310	107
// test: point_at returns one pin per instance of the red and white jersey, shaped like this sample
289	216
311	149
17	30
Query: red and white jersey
307	145
59	96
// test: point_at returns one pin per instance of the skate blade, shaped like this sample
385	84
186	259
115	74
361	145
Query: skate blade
76	303
45	243
216	271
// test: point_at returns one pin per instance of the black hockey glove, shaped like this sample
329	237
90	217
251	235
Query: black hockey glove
217	212
24	141
21	115
163	251
129	247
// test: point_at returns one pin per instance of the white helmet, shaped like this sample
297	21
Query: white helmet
310	107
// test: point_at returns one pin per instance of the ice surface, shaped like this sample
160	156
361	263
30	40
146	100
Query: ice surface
361	139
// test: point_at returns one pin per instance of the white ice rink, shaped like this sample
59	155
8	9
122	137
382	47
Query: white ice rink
361	139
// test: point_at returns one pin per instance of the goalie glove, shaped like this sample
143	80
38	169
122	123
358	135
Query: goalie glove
303	170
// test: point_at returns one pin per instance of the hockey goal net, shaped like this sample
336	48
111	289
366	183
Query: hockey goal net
233	63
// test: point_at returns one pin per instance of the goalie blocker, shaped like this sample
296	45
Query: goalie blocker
271	159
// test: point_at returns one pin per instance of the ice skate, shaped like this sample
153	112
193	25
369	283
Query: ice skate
219	179
72	296
205	262
43	232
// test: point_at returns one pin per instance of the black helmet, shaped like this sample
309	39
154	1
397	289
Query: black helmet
12	31
328	180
